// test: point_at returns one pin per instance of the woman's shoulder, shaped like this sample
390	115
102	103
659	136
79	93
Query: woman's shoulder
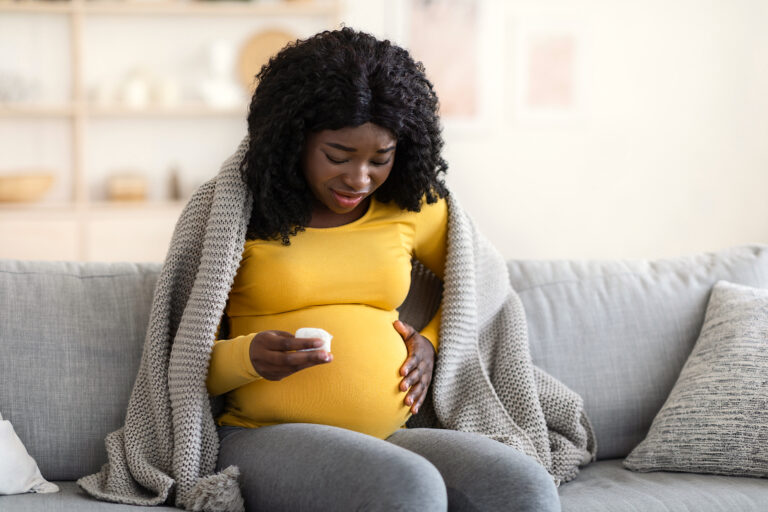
428	212
392	205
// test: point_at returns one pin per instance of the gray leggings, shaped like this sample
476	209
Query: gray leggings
307	466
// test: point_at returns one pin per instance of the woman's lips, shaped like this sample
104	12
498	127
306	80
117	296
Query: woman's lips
345	201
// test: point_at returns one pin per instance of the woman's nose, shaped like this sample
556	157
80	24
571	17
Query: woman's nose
359	178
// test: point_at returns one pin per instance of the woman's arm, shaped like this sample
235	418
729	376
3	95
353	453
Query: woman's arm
429	247
431	330
230	365
276	354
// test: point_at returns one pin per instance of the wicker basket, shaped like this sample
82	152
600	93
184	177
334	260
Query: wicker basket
24	187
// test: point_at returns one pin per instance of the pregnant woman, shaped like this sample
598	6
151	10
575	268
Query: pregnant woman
345	169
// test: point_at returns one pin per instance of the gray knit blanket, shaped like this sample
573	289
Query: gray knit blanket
484	380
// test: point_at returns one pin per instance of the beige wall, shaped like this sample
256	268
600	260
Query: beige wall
671	157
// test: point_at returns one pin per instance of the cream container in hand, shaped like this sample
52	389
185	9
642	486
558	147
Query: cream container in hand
314	332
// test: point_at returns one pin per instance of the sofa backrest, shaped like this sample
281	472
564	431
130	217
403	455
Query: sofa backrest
618	332
72	335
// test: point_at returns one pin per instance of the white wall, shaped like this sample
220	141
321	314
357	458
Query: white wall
671	157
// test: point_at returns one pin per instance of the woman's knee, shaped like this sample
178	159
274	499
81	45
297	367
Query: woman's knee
481	473
536	490
405	481
311	467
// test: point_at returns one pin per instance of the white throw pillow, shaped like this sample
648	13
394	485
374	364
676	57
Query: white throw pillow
18	471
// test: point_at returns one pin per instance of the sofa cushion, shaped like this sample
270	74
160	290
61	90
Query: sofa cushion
619	331
715	420
602	486
71	498
605	486
72	335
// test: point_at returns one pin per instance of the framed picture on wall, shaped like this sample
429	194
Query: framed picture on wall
548	63
451	39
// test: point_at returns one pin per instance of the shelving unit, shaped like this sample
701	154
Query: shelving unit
22	225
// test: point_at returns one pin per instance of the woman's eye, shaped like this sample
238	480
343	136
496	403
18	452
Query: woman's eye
342	161
335	161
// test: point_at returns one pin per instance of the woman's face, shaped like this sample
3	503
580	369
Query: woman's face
344	167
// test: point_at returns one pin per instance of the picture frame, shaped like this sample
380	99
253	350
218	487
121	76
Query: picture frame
548	70
452	39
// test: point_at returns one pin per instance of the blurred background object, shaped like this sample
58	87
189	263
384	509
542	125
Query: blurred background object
17	88
219	88
127	186
256	52
26	185
589	130
174	183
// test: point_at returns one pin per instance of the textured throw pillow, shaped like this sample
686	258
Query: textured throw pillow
18	471
715	420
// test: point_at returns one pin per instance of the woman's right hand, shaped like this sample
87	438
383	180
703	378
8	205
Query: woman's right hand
272	358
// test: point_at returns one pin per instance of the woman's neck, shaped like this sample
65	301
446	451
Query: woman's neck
329	219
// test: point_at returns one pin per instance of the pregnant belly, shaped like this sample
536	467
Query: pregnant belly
358	390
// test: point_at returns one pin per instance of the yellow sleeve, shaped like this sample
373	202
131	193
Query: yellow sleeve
230	365
431	235
429	247
431	330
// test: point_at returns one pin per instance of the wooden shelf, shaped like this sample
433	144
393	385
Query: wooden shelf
133	206
36	207
31	110
94	206
9	110
192	7
29	6
216	8
84	229
180	111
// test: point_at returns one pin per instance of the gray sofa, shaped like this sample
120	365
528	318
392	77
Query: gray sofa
616	331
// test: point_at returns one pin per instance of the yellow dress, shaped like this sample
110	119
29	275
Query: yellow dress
347	280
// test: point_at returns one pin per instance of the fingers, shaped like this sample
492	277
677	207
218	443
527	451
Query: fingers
292	359
407	366
405	330
414	359
417	394
414	373
416	407
313	363
418	375
418	371
279	354
409	377
285	341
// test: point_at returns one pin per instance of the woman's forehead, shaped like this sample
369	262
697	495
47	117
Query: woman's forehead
366	133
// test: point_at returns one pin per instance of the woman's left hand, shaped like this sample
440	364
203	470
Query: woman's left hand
418	366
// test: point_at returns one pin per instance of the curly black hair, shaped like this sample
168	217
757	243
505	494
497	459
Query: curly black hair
332	80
